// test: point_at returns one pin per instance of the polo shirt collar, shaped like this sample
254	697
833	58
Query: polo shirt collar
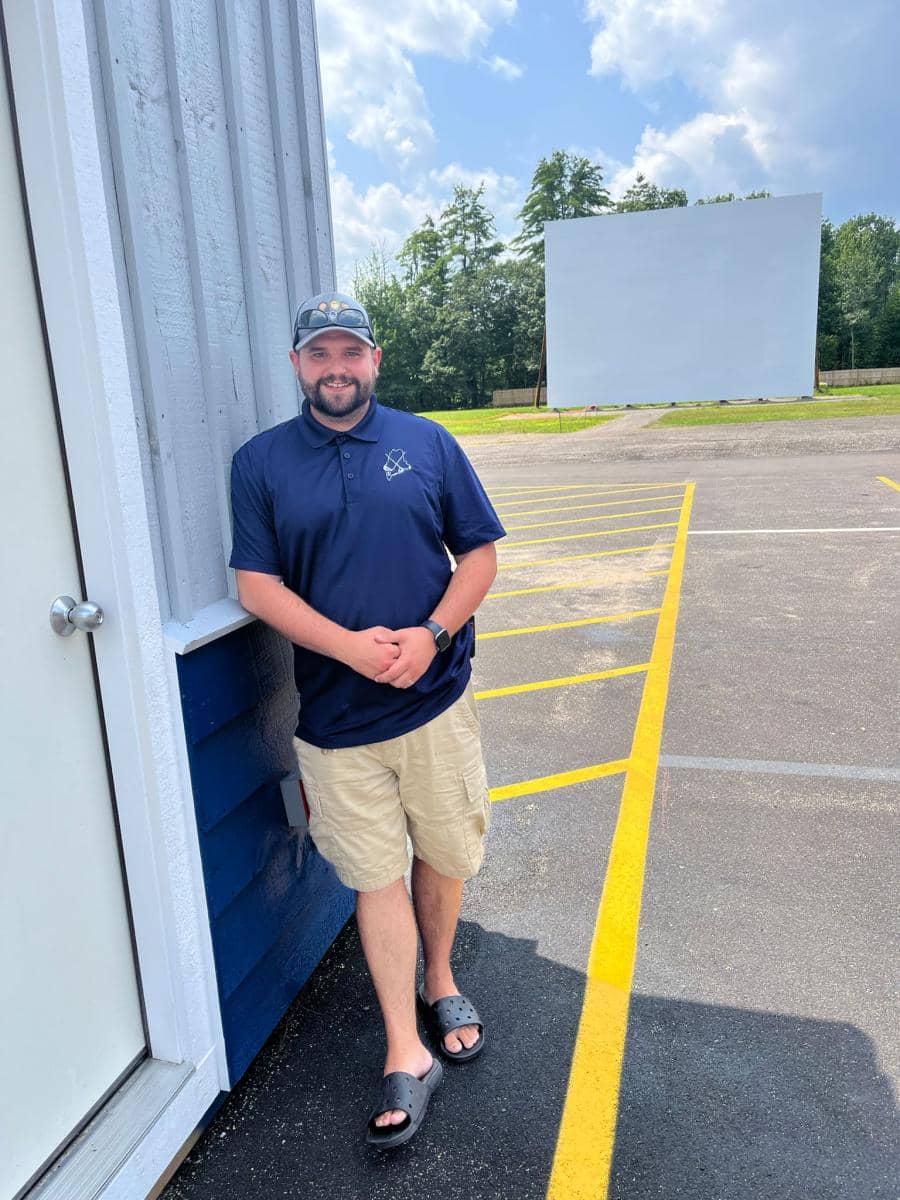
317	434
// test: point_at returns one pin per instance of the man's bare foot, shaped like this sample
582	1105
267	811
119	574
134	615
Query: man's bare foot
417	1063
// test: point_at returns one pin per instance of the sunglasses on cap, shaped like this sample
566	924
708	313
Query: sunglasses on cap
316	318
323	317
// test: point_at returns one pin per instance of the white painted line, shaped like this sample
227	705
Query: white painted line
763	767
837	529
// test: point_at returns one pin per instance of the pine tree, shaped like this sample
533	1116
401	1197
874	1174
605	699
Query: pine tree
562	186
644	196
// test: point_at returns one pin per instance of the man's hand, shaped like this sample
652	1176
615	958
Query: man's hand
416	654
371	652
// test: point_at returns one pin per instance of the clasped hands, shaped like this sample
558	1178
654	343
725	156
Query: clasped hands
399	657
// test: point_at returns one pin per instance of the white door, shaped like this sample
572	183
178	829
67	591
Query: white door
70	1012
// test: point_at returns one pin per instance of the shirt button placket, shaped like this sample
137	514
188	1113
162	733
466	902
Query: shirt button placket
350	476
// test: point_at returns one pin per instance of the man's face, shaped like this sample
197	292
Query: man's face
337	372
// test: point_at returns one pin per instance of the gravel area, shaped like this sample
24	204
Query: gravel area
630	438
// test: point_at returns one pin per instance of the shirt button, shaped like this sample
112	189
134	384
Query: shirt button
349	474
340	439
346	455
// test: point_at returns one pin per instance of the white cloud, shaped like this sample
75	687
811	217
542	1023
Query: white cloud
503	67
370	88
380	216
383	216
713	152
793	97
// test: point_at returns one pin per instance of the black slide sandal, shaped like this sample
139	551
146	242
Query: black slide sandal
442	1017
404	1092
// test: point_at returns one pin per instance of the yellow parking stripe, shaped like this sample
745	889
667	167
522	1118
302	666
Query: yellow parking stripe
549	783
543	562
889	482
492	693
577	537
554	587
584	1147
533	512
615	490
644	612
641	512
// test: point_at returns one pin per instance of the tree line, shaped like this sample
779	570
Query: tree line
461	313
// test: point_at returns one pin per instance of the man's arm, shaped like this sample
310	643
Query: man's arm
267	598
474	574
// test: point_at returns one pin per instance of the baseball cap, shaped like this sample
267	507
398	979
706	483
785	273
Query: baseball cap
331	310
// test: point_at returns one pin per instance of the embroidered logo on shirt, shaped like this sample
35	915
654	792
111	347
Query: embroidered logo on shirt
395	463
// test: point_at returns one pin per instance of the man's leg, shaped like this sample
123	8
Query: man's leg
387	929
437	899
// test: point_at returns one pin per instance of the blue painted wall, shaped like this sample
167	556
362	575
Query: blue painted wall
275	905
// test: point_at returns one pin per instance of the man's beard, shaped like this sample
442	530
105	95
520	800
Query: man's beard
343	404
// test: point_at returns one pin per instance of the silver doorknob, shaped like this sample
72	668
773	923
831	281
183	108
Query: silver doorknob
66	616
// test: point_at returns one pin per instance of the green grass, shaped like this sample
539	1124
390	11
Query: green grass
881	400
877	389
463	422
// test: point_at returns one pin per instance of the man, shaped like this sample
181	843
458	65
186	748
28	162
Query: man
343	517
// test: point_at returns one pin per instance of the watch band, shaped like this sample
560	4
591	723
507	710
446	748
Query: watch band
442	638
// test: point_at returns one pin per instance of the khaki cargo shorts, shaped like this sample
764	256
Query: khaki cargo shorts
429	783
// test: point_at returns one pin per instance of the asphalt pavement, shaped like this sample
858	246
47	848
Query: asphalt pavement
762	1056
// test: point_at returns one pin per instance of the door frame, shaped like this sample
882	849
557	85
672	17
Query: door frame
83	291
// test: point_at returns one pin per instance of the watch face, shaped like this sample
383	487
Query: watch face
442	639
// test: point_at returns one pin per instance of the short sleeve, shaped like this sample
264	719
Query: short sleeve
469	517
254	544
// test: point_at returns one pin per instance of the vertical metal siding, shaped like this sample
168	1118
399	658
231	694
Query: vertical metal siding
219	163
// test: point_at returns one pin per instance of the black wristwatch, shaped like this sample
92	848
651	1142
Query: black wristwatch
442	638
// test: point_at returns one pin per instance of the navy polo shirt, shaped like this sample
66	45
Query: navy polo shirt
358	524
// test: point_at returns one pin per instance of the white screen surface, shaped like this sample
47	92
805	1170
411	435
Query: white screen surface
712	302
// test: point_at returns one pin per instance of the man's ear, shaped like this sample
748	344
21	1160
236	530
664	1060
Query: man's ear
376	357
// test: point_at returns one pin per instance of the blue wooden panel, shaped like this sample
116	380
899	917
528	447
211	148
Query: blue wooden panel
250	1015
232	764
256	917
230	676
241	845
275	905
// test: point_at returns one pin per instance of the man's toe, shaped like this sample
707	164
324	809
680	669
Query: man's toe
463	1038
394	1117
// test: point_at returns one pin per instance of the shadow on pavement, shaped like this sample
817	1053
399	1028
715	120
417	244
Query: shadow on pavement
295	1124
716	1102
724	1102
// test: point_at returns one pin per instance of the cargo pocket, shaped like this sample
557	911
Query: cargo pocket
477	817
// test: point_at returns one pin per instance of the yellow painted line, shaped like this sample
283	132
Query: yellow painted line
539	493
543	562
664	571
492	693
643	612
554	587
577	537
641	512
533	512
584	1147
889	482
617	490
549	783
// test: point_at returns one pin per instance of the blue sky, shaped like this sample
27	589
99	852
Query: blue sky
709	95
